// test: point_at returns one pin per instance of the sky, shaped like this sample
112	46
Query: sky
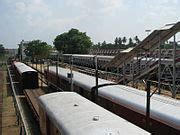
100	19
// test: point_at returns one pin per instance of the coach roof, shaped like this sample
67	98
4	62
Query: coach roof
72	114
82	80
163	109
21	67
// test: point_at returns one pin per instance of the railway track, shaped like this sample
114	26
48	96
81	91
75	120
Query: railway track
26	119
32	96
104	75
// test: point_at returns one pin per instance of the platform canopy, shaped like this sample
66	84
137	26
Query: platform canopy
149	43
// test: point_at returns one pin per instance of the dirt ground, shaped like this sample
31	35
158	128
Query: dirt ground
8	119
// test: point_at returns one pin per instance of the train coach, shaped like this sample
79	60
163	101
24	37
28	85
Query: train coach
127	102
68	113
27	76
87	60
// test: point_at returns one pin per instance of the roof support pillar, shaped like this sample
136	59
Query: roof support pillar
174	68
159	67
132	73
71	68
124	72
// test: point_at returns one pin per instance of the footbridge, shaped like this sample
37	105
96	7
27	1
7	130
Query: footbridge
150	60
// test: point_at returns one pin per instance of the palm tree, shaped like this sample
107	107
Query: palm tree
124	40
120	41
116	41
136	40
130	44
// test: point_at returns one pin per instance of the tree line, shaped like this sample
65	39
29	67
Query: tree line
119	42
37	49
73	42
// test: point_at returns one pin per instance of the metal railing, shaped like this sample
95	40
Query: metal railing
19	111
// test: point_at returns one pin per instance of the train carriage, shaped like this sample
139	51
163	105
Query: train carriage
125	101
164	114
87	60
27	76
67	113
82	83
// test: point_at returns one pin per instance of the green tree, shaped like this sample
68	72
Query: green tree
103	43
2	50
37	49
130	44
99	44
119	41
73	42
116	41
137	41
124	40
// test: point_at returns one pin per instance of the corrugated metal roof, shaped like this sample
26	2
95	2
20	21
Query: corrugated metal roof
164	109
74	115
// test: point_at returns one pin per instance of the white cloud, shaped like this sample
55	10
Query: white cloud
32	11
96	6
32	7
163	11
37	13
20	7
104	19
59	23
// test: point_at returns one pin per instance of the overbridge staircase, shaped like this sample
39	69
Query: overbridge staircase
144	60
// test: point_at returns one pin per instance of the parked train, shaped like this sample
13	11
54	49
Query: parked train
27	76
135	67
87	60
127	102
68	113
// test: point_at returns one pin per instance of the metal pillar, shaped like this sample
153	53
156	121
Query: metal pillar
47	74
106	73
124	73
57	77
132	74
58	67
62	59
96	74
71	66
48	66
148	97
138	65
41	74
159	67
21	50
174	68
36	63
117	70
